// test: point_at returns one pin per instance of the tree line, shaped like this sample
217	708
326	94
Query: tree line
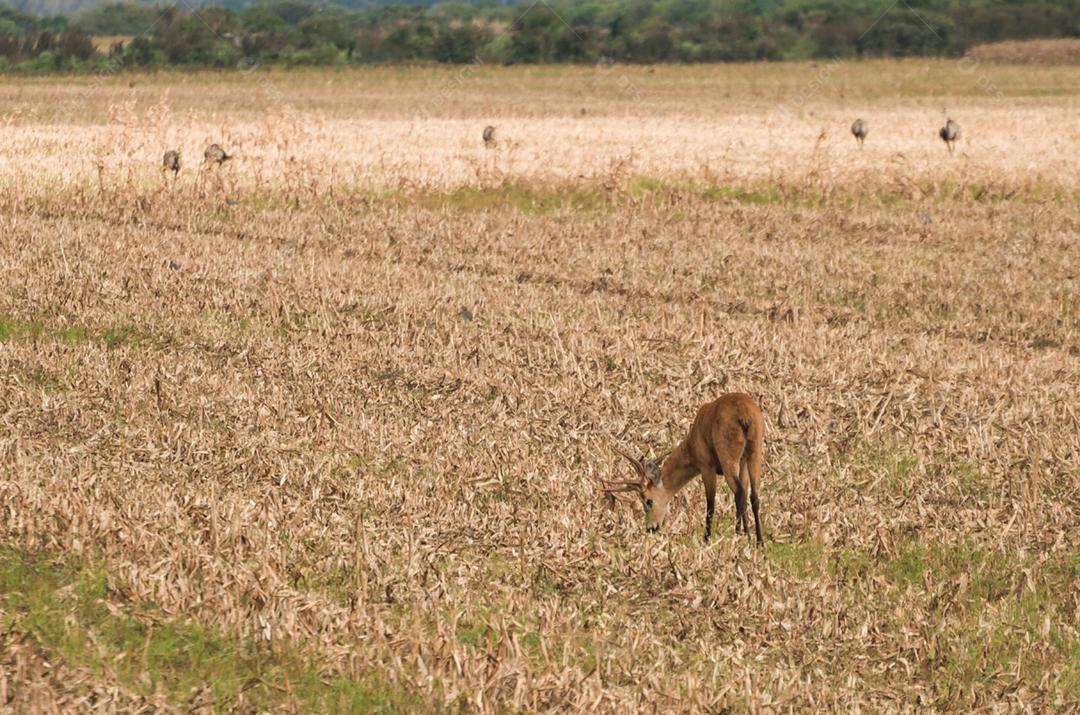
294	33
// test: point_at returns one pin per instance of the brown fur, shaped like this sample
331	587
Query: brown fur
726	437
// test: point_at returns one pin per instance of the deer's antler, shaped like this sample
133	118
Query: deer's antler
638	466
610	489
613	487
620	486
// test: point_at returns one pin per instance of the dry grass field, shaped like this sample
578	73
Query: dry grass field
321	429
1061	51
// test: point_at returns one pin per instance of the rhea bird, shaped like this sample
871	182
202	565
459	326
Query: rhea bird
214	154
949	134
859	130
489	135
171	162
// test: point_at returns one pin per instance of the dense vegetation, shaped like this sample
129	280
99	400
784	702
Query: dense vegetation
291	32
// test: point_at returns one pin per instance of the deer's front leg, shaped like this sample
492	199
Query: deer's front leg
708	476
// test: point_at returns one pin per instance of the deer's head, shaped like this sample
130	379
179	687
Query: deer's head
648	485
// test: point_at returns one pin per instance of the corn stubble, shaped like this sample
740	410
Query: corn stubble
353	403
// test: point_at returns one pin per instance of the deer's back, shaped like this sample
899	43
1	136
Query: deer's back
725	427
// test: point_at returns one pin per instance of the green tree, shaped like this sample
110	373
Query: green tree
324	29
117	19
459	44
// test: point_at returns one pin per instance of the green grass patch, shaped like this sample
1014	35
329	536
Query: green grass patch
987	613
907	567
19	330
476	635
672	188
337	584
852	299
41	379
847	565
114	336
877	466
596	194
1016	636
989	619
802	558
892	466
891	311
973	482
1045	344
516	195
987	572
65	608
810	559
608	192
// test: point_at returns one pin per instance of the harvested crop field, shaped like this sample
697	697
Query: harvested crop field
321	429
1061	51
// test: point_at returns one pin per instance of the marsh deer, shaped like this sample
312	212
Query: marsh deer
727	437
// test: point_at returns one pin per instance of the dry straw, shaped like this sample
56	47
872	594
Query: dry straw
252	397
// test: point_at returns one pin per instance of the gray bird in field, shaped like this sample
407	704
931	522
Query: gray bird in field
489	135
171	162
949	134
214	154
859	130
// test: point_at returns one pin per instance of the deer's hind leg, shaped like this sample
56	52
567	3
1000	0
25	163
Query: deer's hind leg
708	477
754	464
730	468
745	488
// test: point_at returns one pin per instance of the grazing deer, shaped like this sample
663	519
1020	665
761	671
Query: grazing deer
727	437
859	130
